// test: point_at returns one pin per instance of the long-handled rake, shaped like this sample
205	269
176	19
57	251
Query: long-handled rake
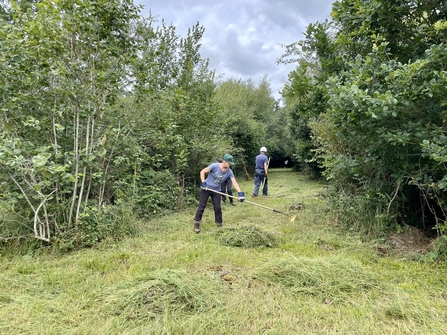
253	203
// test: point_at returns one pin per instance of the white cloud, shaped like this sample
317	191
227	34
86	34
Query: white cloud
242	38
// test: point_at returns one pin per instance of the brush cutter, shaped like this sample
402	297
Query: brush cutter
252	203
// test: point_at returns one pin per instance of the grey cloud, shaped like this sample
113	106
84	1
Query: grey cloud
310	10
242	37
247	60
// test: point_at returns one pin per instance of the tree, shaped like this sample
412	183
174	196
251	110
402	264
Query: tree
248	110
180	126
378	126
63	65
305	93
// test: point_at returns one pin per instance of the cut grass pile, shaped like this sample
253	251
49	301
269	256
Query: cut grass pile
247	237
151	295
331	278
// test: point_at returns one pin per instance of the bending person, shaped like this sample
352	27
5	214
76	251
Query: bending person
218	173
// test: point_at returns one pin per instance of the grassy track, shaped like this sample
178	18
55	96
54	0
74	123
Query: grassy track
258	274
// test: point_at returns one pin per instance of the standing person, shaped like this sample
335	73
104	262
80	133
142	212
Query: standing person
227	187
217	174
261	172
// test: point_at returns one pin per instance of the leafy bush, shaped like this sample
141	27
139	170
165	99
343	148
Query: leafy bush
374	98
152	193
111	222
440	250
360	213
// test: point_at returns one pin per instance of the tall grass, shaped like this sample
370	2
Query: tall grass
365	215
258	274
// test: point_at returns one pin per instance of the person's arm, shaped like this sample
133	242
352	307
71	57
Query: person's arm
266	167
202	178
235	184
202	173
240	194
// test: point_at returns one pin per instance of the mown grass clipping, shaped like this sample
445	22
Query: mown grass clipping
332	279
246	237
161	291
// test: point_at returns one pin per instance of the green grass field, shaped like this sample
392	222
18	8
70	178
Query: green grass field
261	273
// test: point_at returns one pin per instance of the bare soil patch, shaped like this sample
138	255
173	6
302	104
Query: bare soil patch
411	239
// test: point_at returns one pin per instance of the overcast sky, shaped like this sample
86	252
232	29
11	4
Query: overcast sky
242	37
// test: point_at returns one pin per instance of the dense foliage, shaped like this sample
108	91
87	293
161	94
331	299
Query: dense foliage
371	88
248	110
106	117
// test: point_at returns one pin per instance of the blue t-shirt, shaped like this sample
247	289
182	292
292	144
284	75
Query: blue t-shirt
260	160
216	177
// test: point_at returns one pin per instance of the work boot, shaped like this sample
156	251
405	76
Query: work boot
197	226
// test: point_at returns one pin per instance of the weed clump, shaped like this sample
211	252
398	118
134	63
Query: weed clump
330	279
161	291
247	237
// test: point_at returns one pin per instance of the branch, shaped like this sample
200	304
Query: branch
12	238
36	217
394	197
23	192
76	158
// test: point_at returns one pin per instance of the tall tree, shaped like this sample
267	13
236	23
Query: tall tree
377	129
62	66
248	109
174	97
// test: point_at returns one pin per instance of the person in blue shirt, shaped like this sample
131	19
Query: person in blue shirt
217	174
261	172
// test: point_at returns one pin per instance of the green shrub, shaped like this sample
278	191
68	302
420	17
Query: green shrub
440	249
112	222
152	193
361	213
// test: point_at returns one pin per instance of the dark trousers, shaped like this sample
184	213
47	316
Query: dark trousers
215	198
227	187
259	179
